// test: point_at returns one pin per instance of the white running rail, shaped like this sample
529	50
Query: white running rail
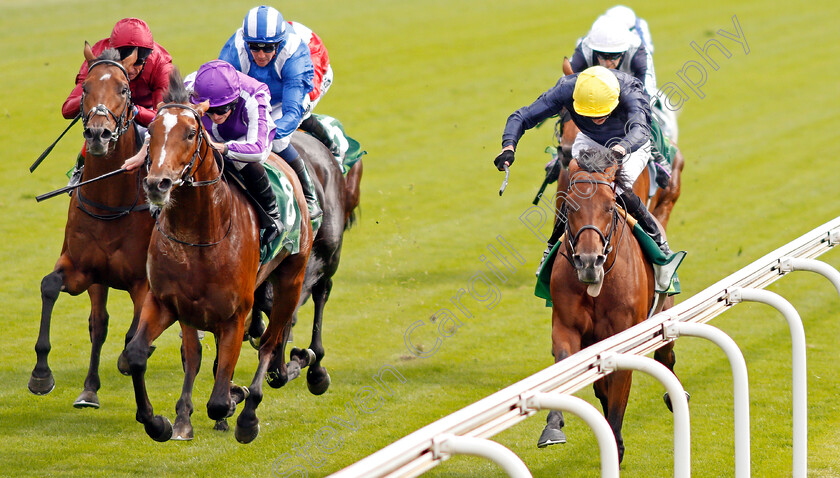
420	451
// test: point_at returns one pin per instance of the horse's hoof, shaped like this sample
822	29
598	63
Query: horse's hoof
255	342
551	436
221	425
246	435
41	385
122	364
238	394
159	429
317	380
182	430
87	399
668	401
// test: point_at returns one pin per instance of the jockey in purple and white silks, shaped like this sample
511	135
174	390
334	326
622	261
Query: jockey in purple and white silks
268	49
239	124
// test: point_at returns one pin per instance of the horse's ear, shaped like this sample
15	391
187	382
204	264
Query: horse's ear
159	105
202	107
567	66
130	59
89	56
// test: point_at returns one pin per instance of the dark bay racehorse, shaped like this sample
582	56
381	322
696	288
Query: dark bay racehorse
338	196
660	204
203	268
108	222
603	285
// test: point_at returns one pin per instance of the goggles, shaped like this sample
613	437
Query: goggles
263	47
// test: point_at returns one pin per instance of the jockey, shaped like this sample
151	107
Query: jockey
148	77
268	49
612	44
612	111
238	123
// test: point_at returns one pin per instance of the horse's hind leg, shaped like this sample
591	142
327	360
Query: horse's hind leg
41	382
98	325
153	321
191	362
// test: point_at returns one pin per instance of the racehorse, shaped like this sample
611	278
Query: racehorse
660	204
338	196
204	264
604	285
108	223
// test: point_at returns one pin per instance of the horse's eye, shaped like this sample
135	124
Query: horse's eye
125	90
191	134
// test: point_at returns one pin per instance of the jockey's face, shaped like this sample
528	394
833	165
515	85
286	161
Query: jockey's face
135	69
219	119
600	120
609	60
263	52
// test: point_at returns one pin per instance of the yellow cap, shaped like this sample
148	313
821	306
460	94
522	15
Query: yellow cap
596	92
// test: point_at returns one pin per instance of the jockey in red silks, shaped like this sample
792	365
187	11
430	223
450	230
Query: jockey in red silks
148	77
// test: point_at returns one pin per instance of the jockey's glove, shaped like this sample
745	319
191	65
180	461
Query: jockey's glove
505	156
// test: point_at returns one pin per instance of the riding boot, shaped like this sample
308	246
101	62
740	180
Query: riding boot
258	184
76	175
663	169
315	128
559	229
634	206
308	187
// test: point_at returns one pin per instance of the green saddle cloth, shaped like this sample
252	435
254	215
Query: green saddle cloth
289	238
664	267
351	150
661	142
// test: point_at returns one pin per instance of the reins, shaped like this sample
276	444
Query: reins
186	178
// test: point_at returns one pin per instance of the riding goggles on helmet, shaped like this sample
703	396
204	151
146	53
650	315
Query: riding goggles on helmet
220	110
263	47
609	56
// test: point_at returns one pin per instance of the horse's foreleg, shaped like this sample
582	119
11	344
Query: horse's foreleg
98	325
616	390
138	297
191	362
41	382
153	321
228	345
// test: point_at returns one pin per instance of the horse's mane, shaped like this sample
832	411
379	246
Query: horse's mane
603	161
177	91
109	54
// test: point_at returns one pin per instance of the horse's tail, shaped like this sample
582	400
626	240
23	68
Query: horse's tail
352	219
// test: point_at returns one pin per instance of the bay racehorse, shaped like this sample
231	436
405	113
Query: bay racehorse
660	204
602	285
204	264
339	196
108	222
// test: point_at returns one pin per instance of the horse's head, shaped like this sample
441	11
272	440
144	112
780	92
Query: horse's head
106	107
591	225
177	142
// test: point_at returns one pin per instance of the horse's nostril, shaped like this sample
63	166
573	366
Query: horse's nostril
87	134
106	135
600	260
578	262
165	184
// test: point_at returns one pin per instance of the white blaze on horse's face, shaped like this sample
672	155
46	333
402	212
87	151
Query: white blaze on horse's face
169	122
105	77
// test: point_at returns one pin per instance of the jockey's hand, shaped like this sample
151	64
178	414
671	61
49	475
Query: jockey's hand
138	159
220	147
618	151
505	157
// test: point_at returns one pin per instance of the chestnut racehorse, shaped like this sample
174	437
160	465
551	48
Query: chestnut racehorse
660	204
204	264
602	285
108	222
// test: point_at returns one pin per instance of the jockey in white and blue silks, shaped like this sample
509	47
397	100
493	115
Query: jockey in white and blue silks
267	48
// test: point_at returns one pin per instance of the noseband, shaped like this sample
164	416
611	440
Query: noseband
123	121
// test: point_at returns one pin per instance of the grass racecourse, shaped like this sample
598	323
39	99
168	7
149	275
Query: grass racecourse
426	87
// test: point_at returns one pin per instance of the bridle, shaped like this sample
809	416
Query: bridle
187	176
123	121
606	239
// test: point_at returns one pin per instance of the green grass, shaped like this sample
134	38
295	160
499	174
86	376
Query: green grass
426	87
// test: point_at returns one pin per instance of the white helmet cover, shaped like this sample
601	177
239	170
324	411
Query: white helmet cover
609	36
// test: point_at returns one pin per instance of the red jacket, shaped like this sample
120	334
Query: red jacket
147	89
320	58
